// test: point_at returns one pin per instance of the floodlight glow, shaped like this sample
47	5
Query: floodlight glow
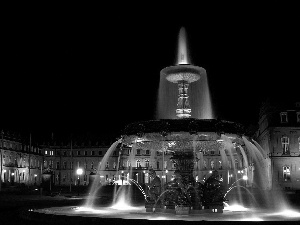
245	177
79	171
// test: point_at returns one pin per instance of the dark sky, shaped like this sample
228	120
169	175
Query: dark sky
66	71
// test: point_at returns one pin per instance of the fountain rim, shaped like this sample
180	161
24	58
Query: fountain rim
189	126
179	72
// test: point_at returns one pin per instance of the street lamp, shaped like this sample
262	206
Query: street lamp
79	172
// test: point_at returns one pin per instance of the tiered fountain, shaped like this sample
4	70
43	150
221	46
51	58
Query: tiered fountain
186	130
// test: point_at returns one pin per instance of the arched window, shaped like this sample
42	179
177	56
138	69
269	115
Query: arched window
285	144
212	164
138	163
146	163
236	164
220	165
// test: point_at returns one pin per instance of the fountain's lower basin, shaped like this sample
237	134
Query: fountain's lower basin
138	213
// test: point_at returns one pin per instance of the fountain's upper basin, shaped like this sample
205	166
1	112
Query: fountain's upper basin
183	72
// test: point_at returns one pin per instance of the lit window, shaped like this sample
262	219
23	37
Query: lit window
147	161
212	164
286	173
165	165
220	165
283	117
298	117
46	152
138	163
115	165
128	163
78	152
285	144
92	152
85	153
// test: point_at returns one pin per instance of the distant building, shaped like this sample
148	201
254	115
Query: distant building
279	136
21	162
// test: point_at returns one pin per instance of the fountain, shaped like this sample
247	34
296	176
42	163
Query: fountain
186	134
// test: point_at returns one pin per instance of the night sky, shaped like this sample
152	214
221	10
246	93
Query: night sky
82	71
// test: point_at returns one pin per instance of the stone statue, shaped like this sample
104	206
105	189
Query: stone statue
154	186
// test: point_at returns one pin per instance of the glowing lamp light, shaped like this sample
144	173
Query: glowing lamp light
12	173
245	177
4	171
122	171
35	175
79	171
210	171
167	171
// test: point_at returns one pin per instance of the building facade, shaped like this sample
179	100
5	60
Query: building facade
279	136
21	162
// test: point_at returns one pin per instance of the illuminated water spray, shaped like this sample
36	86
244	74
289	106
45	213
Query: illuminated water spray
183	57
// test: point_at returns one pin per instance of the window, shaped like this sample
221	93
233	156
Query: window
285	144
85	153
157	165
298	117
147	161
283	117
46	152
173	165
57	165
107	165
286	173
100	152
236	164
92	152
64	178
78	152
65	153
64	165
212	164
92	165
147	152
128	163
71	165
138	151
138	163
220	165
165	164
115	165
204	165
106	177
